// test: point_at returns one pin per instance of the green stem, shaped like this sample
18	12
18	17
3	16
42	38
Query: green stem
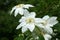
37	32
28	37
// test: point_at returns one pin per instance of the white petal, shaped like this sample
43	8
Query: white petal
47	36
30	27
21	11
46	17
38	20
45	28
27	6
24	29
26	12
16	12
48	30
20	25
32	14
54	18
22	19
52	21
13	9
39	25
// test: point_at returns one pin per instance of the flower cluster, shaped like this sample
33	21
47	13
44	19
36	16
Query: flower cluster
28	21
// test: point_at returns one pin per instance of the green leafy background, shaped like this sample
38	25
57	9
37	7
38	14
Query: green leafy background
8	23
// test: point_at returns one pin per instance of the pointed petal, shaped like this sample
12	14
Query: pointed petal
46	17
26	12
27	6
16	12
38	20
32	14
13	10
30	27
22	19
39	25
47	36
21	11
48	30
52	21
24	29
20	25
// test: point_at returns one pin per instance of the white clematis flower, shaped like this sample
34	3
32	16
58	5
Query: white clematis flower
47	36
48	22
21	8
28	22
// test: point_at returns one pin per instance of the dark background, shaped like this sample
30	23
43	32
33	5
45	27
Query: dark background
8	22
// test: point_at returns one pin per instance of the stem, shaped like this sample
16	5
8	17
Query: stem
37	32
28	37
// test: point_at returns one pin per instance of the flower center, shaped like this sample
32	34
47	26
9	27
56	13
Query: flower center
30	20
44	22
20	5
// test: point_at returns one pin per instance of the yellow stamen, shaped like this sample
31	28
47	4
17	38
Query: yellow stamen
20	5
30	20
44	23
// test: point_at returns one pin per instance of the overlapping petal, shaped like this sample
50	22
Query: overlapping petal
21	9
47	36
31	27
21	25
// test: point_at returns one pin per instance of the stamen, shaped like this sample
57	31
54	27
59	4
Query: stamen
30	20
20	5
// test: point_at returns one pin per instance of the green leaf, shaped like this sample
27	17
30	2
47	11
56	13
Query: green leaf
20	37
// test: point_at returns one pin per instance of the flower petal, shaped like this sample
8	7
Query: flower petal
38	20
46	17
22	19
48	30
16	12
24	29
13	9
52	21
27	6
26	12
39	25
20	25
21	11
30	26
47	36
32	14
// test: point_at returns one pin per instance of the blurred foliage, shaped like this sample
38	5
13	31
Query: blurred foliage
8	22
